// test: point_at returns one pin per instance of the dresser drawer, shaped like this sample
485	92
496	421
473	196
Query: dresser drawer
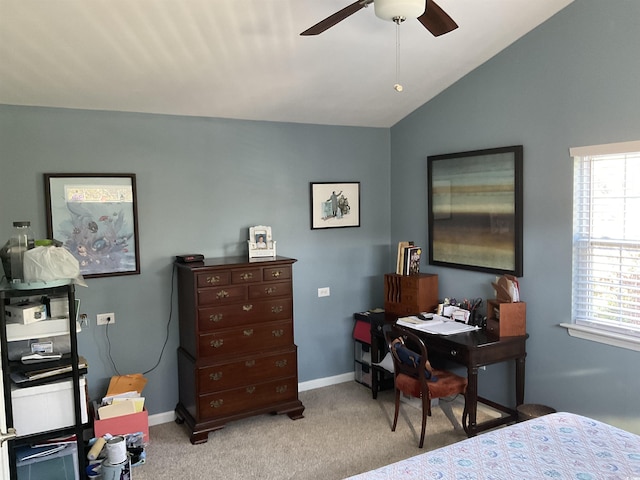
268	290
214	279
225	316
249	397
246	275
222	295
250	338
270	274
233	374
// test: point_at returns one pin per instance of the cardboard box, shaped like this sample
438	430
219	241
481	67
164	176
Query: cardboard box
25	313
122	425
46	407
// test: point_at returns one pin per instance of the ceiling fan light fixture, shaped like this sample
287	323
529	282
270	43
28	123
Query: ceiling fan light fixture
391	9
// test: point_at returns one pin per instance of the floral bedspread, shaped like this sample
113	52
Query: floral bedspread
557	446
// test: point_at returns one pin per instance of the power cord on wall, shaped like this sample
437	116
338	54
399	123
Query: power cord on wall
166	339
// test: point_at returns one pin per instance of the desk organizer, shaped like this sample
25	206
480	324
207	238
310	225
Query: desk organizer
506	319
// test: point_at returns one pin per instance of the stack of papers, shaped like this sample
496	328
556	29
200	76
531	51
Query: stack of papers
123	396
439	325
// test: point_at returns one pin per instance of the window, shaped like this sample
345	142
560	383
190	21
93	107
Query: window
606	244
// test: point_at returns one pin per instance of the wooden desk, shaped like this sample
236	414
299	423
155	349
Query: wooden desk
472	350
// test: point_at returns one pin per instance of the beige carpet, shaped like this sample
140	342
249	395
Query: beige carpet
344	432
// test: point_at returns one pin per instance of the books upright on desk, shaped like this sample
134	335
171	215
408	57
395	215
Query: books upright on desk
408	261
400	263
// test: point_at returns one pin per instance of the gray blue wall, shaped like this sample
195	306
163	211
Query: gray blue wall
572	81
200	184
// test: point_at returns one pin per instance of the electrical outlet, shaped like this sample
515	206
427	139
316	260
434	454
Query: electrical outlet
105	318
324	292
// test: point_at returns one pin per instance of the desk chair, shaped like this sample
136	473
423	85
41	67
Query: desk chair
414	376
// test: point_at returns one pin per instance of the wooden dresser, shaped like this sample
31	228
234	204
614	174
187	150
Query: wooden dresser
236	357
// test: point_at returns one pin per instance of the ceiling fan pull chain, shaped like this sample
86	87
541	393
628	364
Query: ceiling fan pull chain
397	87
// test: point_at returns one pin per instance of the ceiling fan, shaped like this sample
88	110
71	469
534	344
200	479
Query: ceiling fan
427	12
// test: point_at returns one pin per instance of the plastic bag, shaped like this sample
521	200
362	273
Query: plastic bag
45	264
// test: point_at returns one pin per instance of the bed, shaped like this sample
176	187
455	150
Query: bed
556	446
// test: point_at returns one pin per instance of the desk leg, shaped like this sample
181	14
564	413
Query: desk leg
471	403
519	381
374	382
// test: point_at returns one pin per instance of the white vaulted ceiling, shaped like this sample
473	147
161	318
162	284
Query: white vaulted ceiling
244	59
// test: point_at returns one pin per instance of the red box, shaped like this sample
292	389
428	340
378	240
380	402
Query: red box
362	331
123	425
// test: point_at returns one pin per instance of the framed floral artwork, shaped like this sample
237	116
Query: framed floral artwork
95	217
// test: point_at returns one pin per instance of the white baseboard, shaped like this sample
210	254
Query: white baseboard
167	417
325	382
164	417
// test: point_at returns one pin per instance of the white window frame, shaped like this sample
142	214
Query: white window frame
588	318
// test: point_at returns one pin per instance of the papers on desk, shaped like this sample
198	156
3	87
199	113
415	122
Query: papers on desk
438	325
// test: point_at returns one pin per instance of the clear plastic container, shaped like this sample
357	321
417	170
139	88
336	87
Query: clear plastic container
21	241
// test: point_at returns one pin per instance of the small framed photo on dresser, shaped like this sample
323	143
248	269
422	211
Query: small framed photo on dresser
261	243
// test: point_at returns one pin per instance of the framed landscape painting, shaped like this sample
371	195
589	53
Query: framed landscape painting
475	210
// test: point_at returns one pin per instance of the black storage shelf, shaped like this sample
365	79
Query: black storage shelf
6	295
366	372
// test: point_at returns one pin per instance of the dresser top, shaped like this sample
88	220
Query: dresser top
235	262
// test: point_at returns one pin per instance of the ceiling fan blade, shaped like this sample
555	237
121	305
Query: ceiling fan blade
436	20
337	17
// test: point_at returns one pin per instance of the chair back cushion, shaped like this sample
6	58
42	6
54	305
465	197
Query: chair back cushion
413	359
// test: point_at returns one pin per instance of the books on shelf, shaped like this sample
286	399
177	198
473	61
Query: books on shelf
400	264
412	260
408	262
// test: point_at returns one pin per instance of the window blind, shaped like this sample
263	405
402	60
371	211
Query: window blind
606	237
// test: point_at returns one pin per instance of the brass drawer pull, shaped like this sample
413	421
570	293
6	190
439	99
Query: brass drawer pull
217	343
247	308
215	317
222	294
276	273
270	290
248	332
216	403
214	279
277	333
281	363
215	376
246	276
281	389
250	390
250	363
277	309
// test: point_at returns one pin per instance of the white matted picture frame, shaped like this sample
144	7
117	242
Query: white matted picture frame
335	205
261	242
95	216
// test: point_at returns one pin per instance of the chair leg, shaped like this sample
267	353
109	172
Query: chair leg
426	406
397	410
